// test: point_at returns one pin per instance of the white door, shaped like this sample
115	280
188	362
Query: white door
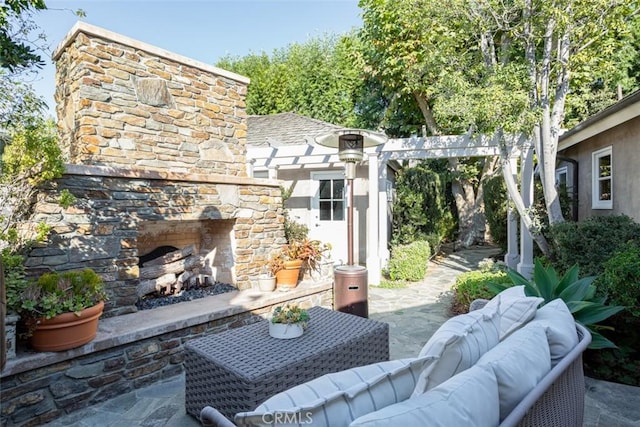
328	219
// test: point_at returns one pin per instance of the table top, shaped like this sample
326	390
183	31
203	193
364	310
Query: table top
250	351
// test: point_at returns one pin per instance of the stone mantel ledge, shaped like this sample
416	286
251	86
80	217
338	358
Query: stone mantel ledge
139	173
128	328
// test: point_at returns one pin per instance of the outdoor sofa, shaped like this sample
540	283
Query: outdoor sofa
505	363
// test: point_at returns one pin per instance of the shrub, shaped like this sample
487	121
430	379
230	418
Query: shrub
409	262
474	285
621	279
495	209
420	207
590	243
435	240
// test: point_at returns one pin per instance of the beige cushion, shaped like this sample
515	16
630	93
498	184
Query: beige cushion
514	308
339	398
560	327
519	363
458	344
469	399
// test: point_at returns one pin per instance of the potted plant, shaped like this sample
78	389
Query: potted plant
267	281
295	256
288	322
61	310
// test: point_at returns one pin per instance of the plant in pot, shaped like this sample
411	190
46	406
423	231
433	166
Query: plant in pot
298	255
288	322
61	309
267	281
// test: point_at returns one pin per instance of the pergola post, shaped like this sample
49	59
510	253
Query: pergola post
373	232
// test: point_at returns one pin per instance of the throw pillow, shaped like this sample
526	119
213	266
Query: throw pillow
458	344
519	363
337	399
514	308
560	327
468	399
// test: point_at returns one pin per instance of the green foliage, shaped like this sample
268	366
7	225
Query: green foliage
621	279
289	314
293	231
14	279
495	209
590	243
33	153
420	207
474	285
579	295
392	284
56	293
409	262
16	51
320	78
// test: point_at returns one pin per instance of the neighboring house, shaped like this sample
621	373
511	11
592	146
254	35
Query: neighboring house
599	161
282	146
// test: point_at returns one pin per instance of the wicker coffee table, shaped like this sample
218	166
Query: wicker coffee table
236	370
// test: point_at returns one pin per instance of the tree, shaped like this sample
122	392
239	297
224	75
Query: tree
319	79
497	67
16	50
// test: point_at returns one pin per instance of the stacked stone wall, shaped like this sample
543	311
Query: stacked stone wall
122	102
37	396
100	231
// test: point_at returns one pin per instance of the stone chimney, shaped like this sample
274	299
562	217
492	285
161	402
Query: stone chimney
126	103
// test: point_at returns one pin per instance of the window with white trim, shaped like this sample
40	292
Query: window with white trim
562	178
602	177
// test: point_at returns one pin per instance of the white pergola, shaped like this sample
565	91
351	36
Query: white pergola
519	256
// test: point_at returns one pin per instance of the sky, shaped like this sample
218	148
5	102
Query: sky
205	30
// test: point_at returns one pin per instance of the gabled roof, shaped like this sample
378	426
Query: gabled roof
624	110
284	129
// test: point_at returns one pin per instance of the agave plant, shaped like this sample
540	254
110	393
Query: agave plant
579	295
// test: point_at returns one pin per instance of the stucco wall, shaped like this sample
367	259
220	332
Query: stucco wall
625	142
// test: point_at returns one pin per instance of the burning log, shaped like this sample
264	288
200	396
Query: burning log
155	285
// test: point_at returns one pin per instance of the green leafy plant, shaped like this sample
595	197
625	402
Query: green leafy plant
621	279
590	243
310	252
409	262
60	292
474	285
579	295
290	314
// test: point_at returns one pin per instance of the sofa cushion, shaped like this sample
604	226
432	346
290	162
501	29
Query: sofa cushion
519	363
458	344
560	327
514	307
468	399
337	399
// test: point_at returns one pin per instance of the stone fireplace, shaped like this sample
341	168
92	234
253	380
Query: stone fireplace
155	145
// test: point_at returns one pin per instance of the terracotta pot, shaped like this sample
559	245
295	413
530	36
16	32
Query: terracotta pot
287	278
66	331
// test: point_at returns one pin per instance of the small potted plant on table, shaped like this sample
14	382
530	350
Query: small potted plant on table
61	310
288	322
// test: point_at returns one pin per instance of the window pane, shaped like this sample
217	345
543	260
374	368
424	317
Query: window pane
605	166
605	189
338	210
325	211
325	189
338	189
